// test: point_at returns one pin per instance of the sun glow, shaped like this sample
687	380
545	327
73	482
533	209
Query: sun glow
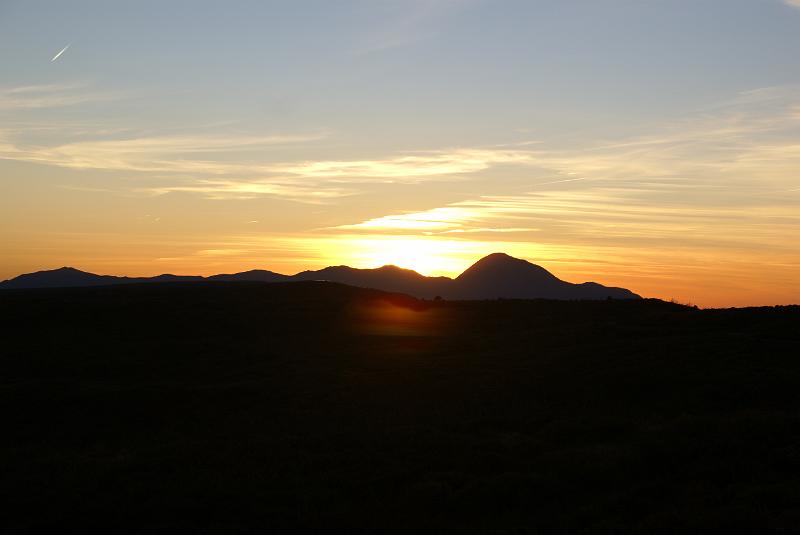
432	257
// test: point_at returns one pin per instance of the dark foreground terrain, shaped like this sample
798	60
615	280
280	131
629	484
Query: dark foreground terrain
248	407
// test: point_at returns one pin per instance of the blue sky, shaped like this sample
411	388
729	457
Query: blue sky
196	136
461	69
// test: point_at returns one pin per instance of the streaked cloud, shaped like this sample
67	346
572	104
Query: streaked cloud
180	155
215	164
251	189
32	97
408	168
603	214
699	211
435	220
793	3
751	137
660	238
163	154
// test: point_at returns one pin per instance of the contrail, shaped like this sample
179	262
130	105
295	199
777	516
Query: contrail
59	54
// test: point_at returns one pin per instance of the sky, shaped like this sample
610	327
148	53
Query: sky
649	144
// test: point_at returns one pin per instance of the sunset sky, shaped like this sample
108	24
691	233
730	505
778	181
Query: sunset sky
650	144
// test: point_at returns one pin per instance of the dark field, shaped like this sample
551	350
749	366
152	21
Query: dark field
247	407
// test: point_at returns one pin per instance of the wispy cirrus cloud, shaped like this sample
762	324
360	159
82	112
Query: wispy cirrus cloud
430	221
166	154
320	181
599	214
200	154
750	141
793	3
701	209
751	137
464	218
213	166
31	97
660	238
251	189
409	168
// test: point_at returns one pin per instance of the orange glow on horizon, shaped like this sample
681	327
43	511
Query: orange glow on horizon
707	278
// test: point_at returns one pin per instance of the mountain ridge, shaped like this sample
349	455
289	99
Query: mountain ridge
496	276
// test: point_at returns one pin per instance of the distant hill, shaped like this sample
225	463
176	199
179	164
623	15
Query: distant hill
501	276
255	275
386	278
493	277
65	277
68	277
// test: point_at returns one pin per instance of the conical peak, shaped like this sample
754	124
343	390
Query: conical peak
500	264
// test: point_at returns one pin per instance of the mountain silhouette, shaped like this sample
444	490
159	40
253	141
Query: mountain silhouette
65	277
68	277
386	278
497	276
502	276
168	278
254	275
